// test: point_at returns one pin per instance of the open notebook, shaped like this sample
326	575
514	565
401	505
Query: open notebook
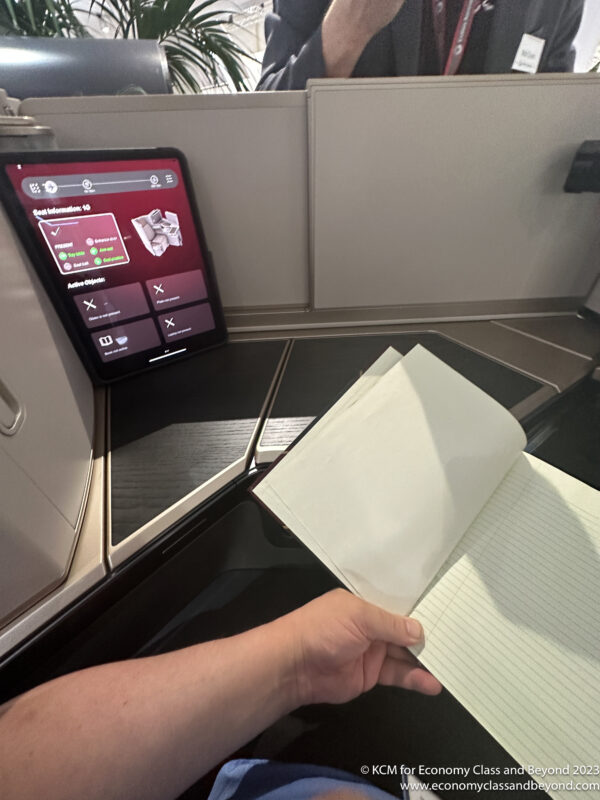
413	489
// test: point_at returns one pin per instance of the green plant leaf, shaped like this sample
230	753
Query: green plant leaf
197	43
194	37
40	18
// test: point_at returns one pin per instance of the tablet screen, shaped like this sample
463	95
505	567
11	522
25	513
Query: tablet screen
117	241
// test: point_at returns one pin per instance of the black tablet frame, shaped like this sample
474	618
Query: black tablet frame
105	372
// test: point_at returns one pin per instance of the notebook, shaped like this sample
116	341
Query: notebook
414	490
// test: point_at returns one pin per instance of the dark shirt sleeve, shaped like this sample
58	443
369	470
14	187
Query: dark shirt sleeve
294	50
561	53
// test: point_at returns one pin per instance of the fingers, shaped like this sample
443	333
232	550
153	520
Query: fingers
400	652
404	670
392	628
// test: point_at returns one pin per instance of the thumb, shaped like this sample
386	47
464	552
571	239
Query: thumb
378	624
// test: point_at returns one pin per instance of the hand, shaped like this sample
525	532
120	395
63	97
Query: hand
348	27
342	646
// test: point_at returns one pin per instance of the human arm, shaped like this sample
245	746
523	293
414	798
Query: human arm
348	27
560	54
318	39
293	52
149	728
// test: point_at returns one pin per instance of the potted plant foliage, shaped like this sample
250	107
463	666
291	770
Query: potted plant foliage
198	46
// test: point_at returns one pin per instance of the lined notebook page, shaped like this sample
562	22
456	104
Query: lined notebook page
512	620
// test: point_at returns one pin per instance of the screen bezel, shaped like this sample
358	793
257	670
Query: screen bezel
105	372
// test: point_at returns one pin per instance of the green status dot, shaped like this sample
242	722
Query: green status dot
62	256
94	251
98	261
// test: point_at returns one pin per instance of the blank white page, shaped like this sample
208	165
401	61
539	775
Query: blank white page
359	388
387	487
512	620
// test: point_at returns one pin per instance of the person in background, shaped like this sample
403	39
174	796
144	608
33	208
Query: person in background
149	728
383	38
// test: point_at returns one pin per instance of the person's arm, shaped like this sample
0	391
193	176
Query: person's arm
348	27
318	39
149	728
293	51
561	53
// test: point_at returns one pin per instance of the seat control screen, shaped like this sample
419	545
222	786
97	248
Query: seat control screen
117	241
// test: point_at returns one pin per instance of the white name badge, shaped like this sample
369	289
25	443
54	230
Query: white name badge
529	54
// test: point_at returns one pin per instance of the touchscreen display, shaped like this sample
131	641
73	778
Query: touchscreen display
119	240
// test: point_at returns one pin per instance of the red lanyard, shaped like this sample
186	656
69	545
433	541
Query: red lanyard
461	35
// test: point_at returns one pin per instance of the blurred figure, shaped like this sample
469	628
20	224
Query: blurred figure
383	38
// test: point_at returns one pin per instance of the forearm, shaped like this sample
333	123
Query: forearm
296	71
319	39
344	39
560	53
348	26
146	728
294	52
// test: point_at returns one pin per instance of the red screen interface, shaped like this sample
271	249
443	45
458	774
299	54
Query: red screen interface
121	241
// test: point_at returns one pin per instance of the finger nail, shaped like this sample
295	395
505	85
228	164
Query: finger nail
414	629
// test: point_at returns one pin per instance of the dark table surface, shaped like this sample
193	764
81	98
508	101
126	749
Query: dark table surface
319	370
175	428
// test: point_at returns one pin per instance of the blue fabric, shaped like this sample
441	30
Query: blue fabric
259	779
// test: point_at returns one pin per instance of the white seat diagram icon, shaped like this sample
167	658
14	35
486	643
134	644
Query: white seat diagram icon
158	232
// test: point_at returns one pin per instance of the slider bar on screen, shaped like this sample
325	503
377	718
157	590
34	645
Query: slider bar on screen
167	355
